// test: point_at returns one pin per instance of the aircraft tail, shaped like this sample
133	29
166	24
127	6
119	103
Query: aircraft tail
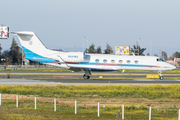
33	48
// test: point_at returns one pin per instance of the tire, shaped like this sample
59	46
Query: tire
85	76
161	77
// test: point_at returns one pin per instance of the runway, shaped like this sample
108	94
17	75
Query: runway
87	82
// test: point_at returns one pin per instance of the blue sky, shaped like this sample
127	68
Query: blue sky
64	23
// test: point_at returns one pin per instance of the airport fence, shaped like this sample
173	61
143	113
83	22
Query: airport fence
16	67
99	110
19	67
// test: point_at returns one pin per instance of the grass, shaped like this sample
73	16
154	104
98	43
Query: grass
45	110
65	111
123	91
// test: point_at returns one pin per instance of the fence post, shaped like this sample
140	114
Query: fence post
150	113
98	110
122	112
117	117
75	107
0	98
35	103
179	115
17	101
55	105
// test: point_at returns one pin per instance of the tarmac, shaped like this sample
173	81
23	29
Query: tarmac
87	81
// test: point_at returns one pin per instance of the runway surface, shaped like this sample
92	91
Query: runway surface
87	82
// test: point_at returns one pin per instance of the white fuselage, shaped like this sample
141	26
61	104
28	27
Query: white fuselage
114	62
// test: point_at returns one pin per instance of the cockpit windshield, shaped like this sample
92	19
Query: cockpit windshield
160	60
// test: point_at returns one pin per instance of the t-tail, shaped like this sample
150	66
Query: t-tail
35	50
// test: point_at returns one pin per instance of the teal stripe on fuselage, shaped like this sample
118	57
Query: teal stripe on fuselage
35	57
110	64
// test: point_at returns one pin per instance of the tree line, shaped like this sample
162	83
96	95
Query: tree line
14	54
11	56
136	49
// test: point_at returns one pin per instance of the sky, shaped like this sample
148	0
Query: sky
62	24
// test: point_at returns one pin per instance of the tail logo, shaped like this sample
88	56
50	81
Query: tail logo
30	42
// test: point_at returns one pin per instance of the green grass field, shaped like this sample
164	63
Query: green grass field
105	94
45	110
150	92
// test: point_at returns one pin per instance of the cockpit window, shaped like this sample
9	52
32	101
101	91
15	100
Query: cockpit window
160	60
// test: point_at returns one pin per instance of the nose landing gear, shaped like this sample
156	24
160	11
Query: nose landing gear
160	75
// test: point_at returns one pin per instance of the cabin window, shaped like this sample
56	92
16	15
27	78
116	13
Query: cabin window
112	61
128	61
105	61
120	61
136	61
97	60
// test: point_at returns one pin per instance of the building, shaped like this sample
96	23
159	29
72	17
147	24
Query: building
175	62
163	55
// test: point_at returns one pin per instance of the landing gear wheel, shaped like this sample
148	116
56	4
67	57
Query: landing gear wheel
161	77
85	76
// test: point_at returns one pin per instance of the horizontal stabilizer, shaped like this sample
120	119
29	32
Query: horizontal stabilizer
16	33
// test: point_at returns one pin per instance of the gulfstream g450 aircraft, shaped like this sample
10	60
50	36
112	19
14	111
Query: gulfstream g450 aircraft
35	50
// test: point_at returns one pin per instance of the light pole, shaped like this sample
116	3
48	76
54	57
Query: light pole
87	44
151	48
22	56
83	43
138	46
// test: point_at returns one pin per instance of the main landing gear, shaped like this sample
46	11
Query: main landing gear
160	75
87	74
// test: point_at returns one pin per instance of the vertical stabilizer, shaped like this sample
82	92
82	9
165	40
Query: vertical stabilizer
33	48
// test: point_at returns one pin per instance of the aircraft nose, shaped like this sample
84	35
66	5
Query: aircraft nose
173	67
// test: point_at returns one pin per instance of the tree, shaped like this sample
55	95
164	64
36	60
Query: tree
0	49
176	54
138	50
15	52
156	55
108	49
8	60
0	53
4	56
99	50
91	49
